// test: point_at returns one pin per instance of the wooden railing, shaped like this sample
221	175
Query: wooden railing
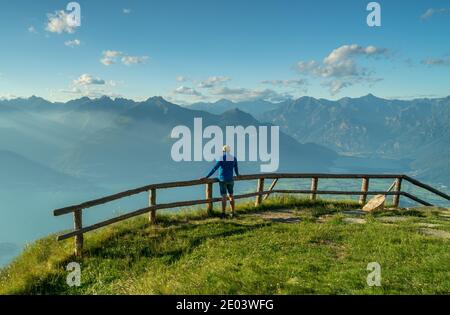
260	195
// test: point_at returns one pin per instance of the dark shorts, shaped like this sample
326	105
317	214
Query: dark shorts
226	187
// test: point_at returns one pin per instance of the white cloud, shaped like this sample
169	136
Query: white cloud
126	11
112	83
88	85
243	94
7	96
181	78
344	53
336	86
432	11
32	29
134	60
111	53
340	66
73	90
436	61
87	79
107	61
184	90
110	57
72	43
212	82
59	22
286	83
89	92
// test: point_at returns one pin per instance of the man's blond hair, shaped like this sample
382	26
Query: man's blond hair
226	148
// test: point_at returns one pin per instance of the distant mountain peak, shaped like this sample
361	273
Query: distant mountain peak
156	99
234	110
84	98
370	96
223	101
236	113
35	98
306	100
305	97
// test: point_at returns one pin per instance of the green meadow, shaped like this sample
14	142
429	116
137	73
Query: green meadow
285	246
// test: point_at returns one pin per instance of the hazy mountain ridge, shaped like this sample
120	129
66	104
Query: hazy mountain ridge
19	173
85	129
254	108
118	141
369	126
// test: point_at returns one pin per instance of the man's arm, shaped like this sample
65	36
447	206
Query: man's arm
236	170
214	169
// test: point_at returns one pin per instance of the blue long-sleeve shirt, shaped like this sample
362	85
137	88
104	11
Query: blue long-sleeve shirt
226	167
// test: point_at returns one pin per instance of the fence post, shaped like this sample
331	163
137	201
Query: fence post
364	189
152	202
78	224
314	184
397	188
209	195
259	188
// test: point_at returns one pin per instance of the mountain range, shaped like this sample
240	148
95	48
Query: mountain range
415	132
122	142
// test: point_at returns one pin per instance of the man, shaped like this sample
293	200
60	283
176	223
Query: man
226	164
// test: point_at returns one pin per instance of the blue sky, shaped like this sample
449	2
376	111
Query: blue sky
201	50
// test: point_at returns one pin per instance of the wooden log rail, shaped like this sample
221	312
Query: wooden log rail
260	194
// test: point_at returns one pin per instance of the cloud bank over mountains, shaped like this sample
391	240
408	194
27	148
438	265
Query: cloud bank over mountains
340	69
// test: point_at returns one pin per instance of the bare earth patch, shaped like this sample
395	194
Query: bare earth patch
354	212
393	219
354	220
435	233
324	218
282	216
428	225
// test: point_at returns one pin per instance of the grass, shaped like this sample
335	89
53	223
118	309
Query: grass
190	253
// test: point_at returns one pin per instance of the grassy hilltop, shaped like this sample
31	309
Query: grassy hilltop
305	248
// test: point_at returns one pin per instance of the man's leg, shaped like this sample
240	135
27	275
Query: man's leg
223	192
224	204
231	204
230	189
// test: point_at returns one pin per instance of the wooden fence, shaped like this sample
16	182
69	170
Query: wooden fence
260	194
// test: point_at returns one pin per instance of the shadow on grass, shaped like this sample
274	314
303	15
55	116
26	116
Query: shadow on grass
400	212
163	244
127	248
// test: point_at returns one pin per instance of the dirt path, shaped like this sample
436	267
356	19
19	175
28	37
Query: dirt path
282	216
